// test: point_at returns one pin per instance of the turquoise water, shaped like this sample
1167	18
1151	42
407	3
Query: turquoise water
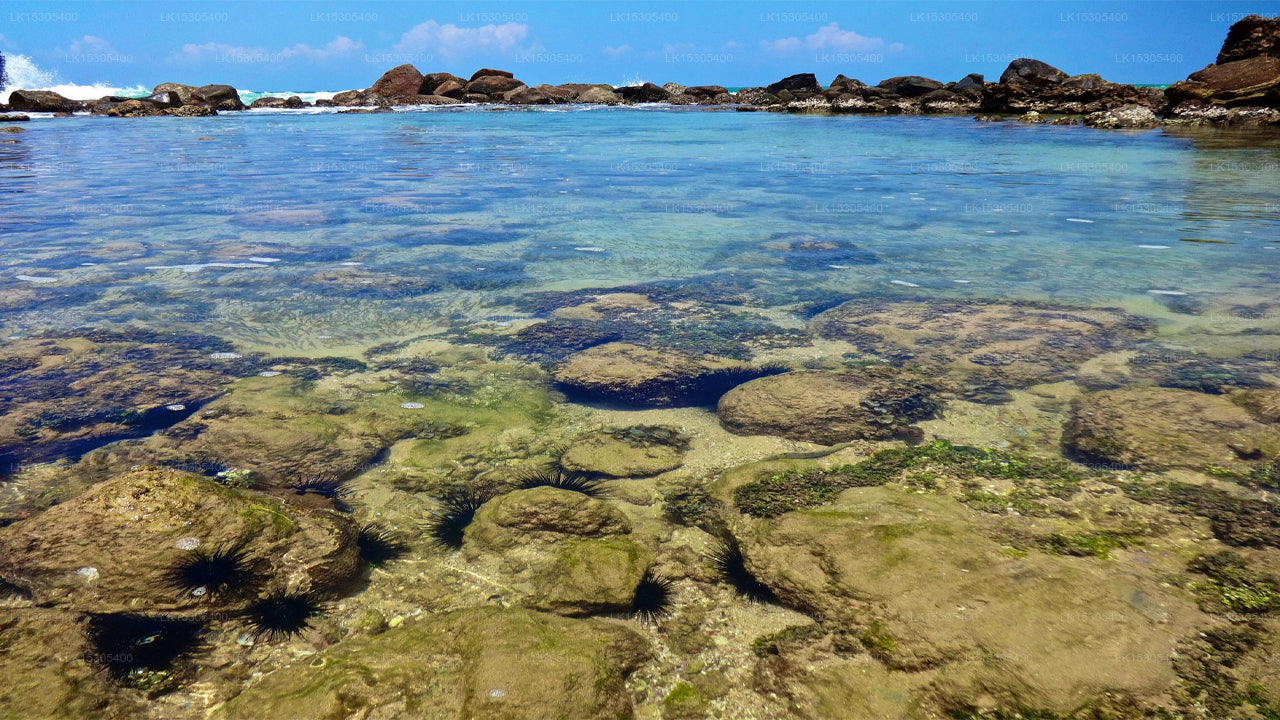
348	229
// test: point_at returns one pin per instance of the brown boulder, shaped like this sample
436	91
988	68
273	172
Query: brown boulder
292	102
399	80
493	85
453	88
218	97
1027	71
136	108
1254	81
823	407
1254	36
431	82
490	72
909	86
646	93
184	91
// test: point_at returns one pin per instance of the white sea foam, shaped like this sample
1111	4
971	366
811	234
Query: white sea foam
903	283
26	75
39	280
1154	247
1166	292
1079	220
197	267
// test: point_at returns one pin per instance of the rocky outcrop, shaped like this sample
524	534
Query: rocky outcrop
1031	85
1246	76
41	101
632	375
909	86
399	80
638	451
218	97
493	86
645	93
1027	71
435	83
824	407
184	92
1253	36
799	86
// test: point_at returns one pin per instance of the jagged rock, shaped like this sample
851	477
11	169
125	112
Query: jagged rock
844	84
1253	36
1123	117
824	407
1027	71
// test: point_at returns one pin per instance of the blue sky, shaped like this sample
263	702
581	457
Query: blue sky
304	46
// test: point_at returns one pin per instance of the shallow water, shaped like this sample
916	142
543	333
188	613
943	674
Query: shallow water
338	231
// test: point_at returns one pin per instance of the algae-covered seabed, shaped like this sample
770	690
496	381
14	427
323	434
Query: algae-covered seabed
540	434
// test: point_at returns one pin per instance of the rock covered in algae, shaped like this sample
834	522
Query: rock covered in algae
626	373
45	662
1017	343
638	451
823	407
1163	427
482	663
954	618
110	548
559	550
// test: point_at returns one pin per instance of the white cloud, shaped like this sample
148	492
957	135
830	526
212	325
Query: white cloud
831	38
90	45
452	41
616	52
221	52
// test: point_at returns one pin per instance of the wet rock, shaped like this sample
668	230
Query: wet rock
1015	343
824	407
136	108
184	92
524	516
291	102
108	550
646	93
218	97
756	96
599	96
638	451
47	671
482	663
13	117
529	96
64	396
41	101
1162	427
1123	117
858	564
629	374
192	111
400	80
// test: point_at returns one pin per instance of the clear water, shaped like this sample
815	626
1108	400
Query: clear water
452	213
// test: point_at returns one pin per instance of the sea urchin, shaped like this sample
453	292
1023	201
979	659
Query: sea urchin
457	508
378	545
203	574
653	599
727	558
561	479
126	643
283	614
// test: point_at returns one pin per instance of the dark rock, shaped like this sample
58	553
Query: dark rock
136	108
844	84
646	93
490	85
475	98
292	102
184	91
756	96
706	91
218	97
909	86
800	83
103	105
14	118
41	101
400	80
1031	72
191	111
972	81
489	72
431	82
1254	36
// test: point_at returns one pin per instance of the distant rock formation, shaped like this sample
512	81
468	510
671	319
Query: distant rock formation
1242	87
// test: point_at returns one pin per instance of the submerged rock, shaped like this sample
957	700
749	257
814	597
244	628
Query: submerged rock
1015	343
1163	427
638	451
109	550
625	373
824	407
482	663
